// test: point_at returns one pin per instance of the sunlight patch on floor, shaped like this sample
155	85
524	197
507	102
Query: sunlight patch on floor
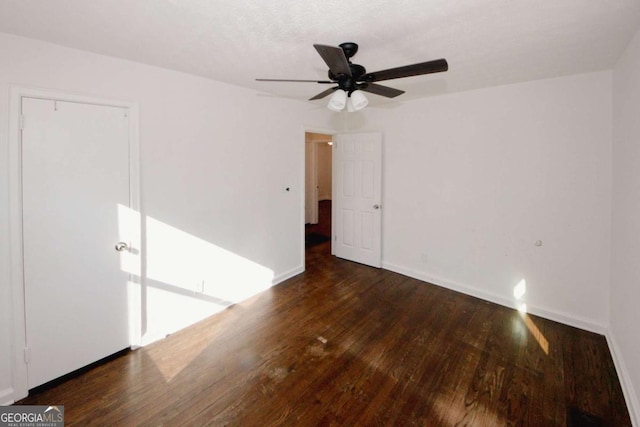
519	291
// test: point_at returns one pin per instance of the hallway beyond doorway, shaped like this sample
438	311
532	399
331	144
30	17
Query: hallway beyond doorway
320	232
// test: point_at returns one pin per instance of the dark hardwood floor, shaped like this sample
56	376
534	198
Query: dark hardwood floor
344	344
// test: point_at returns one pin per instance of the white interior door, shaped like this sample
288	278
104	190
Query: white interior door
75	174
357	189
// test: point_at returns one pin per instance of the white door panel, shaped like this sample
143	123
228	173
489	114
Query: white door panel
75	167
357	195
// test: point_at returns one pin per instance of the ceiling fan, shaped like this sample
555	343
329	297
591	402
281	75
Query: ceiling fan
351	78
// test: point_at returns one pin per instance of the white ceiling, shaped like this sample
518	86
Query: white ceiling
486	43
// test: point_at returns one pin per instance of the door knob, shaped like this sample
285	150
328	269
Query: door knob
122	246
376	206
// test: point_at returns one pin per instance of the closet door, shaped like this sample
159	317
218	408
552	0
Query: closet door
75	179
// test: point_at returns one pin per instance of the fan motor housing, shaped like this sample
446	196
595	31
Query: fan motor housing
357	71
349	83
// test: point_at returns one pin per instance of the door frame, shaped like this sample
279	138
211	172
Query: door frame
312	161
305	130
18	327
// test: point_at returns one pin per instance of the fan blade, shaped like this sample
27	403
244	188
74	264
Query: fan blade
335	59
287	80
389	92
429	67
323	94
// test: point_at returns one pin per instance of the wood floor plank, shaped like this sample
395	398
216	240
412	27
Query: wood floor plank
346	344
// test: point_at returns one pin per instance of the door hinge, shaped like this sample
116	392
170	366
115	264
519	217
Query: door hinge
21	121
27	355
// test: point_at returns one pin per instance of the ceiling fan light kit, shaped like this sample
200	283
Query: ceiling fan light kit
337	101
352	78
355	101
358	100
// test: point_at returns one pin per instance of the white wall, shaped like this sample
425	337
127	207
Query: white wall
214	162
472	180
625	266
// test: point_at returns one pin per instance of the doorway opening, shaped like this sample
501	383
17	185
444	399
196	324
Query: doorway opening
318	190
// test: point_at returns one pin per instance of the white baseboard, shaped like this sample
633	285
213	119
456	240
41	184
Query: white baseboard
287	275
556	316
630	396
6	397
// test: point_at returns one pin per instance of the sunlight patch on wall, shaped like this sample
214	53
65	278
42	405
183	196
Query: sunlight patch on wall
520	289
185	261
